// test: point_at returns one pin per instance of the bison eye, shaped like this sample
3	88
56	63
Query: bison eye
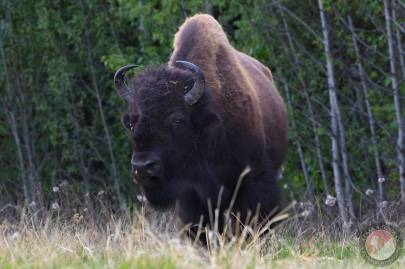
178	121
175	119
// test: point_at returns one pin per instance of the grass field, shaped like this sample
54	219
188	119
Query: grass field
134	242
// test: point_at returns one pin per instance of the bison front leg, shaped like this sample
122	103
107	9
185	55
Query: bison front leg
258	196
203	205
197	213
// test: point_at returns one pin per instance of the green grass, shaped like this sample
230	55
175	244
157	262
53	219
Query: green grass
136	243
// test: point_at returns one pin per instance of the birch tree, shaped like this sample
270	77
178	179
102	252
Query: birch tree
13	125
314	124
400	148
334	110
308	180
401	52
114	171
370	116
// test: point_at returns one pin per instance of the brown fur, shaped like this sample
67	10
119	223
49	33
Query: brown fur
242	89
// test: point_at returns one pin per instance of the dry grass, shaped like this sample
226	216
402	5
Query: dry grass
132	241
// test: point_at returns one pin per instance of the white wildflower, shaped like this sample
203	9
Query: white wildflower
55	206
307	205
330	200
100	193
306	213
369	192
55	188
381	179
383	203
141	198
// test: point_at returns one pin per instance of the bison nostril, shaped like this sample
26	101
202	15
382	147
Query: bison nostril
144	168
151	165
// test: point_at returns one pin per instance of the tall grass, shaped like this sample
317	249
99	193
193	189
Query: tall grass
97	236
148	239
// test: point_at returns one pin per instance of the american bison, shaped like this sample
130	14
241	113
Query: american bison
199	120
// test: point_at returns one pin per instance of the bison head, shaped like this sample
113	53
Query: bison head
167	118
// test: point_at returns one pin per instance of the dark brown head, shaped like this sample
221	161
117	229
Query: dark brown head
167	115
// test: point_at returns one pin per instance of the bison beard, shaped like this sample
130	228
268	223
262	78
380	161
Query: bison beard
198	121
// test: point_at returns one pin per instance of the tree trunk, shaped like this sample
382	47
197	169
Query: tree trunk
79	151
114	171
400	148
310	189
370	116
208	6
14	129
35	184
334	121
401	52
309	105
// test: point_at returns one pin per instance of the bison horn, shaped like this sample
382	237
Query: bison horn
192	96
119	81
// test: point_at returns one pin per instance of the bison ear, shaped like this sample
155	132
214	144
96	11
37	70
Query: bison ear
206	119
